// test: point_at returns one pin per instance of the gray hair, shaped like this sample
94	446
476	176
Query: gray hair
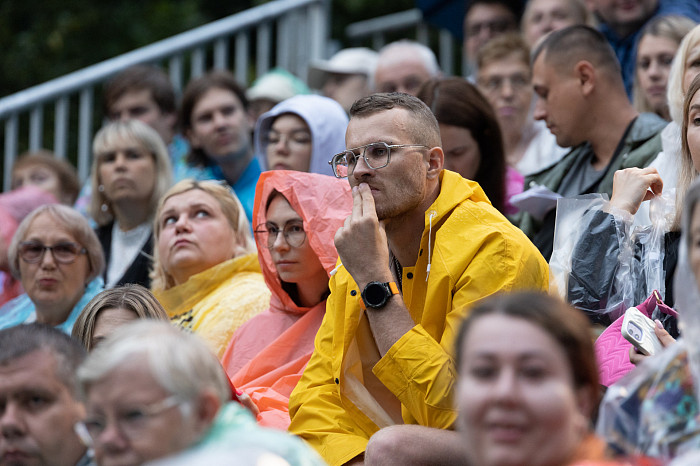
404	47
181	362
21	340
74	223
140	133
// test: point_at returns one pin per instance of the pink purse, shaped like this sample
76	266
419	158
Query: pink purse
611	348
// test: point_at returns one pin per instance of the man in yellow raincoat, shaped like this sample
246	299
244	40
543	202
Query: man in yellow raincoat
421	245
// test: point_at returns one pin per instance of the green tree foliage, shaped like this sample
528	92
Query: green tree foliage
44	39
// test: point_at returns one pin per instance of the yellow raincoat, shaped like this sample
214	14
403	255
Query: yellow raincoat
214	303
475	252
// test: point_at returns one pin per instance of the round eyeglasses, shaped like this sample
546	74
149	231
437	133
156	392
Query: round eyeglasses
376	155
293	233
130	421
66	252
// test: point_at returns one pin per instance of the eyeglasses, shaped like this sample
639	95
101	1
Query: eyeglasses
66	252
293	233
375	154
130	422
517	81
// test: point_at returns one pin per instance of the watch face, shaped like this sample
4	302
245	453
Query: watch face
375	294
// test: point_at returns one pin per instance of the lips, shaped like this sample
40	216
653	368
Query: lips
47	282
14	457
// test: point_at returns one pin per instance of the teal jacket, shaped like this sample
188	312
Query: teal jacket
641	146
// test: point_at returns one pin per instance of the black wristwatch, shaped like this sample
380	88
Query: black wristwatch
377	294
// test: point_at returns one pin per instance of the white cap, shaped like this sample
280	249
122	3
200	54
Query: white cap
276	85
356	60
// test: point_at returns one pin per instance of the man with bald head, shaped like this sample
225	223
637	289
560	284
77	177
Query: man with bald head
582	99
403	66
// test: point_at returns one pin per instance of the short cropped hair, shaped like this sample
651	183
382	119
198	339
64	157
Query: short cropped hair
140	134
195	90
21	340
232	209
567	326
563	48
132	297
67	175
425	127
501	47
139	78
73	222
456	102
181	362
405	47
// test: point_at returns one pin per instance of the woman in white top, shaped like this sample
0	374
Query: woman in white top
131	171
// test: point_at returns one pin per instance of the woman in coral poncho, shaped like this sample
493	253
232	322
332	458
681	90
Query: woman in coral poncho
297	215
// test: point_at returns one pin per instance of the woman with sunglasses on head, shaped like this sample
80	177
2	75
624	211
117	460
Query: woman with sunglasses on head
297	215
58	259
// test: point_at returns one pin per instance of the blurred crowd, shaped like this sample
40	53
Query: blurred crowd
379	265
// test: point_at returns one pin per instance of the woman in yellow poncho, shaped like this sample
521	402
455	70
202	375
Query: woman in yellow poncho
206	271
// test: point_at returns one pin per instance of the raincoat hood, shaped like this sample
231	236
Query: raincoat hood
323	203
326	120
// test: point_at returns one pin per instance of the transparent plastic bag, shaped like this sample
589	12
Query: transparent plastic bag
602	261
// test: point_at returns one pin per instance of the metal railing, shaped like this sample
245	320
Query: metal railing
412	26
295	31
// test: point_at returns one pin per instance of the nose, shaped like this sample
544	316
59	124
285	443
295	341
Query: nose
123	116
540	113
47	260
362	170
182	223
111	439
654	69
282	145
505	388
280	243
119	160
219	119
11	424
507	88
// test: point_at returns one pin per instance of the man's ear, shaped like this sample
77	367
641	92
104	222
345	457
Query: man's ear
435	161
586	74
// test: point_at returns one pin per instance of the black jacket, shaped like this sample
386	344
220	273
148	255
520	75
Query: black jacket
138	271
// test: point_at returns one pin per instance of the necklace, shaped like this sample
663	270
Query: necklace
398	270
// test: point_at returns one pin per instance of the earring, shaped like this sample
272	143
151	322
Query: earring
104	207
101	188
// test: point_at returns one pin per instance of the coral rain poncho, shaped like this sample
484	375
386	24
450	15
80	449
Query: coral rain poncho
268	354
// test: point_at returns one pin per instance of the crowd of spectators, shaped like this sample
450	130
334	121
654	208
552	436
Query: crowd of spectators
380	265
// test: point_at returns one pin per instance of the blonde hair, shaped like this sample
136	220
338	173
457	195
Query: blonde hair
232	210
674	89
672	27
686	171
114	134
132	297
